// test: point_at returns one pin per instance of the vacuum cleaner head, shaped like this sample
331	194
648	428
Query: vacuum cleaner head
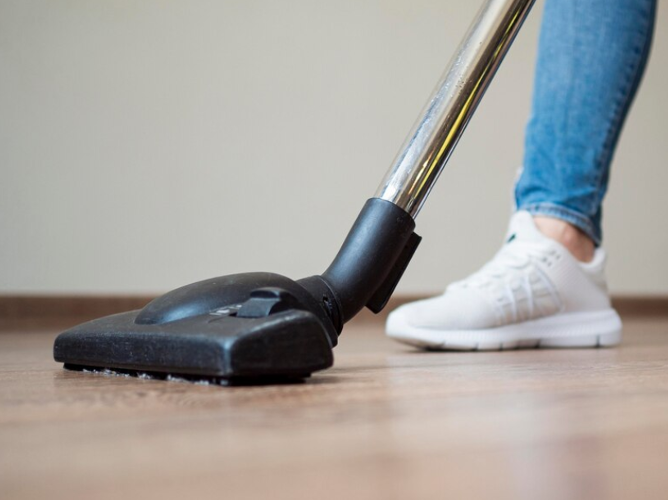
254	327
240	328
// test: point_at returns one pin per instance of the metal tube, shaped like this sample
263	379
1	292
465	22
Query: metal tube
433	138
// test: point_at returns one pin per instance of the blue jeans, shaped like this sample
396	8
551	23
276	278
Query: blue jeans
591	56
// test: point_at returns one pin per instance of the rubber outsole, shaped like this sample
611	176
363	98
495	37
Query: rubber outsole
566	330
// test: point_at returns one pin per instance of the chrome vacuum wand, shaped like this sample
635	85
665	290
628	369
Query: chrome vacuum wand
443	120
381	243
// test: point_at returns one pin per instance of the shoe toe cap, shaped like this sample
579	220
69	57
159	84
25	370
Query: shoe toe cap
463	309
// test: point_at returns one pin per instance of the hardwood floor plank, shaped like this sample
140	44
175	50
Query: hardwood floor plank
387	422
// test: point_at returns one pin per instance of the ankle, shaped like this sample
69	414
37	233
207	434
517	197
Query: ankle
573	238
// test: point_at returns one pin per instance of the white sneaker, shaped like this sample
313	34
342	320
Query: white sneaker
533	293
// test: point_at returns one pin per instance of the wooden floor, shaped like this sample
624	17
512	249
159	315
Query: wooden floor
387	422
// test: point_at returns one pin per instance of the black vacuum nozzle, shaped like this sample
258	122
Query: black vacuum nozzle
238	327
254	327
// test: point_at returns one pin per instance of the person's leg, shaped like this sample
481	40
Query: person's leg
590	61
537	291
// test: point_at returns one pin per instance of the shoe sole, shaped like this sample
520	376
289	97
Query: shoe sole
583	329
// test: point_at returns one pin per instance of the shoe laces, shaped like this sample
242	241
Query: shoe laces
510	270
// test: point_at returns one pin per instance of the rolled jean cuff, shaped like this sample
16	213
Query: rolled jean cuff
566	214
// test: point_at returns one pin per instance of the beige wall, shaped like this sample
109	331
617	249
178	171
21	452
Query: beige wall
145	145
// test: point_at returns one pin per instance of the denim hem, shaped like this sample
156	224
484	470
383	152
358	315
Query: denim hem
566	214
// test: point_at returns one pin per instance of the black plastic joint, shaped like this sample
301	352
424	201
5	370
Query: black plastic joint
372	259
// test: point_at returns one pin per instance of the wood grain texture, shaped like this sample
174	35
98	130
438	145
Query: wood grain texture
387	422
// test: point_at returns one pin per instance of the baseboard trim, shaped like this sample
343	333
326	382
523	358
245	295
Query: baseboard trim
45	310
49	309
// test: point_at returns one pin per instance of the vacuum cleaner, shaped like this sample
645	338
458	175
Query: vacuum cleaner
266	328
